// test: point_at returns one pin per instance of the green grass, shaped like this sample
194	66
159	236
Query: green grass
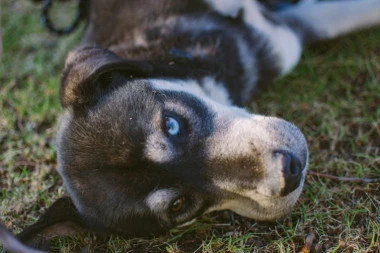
333	95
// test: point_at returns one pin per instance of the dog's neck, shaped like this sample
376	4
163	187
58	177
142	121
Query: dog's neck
107	19
205	44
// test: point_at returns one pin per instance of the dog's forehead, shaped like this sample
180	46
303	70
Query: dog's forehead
146	97
204	90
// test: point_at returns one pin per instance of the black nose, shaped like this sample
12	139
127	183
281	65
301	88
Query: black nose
292	171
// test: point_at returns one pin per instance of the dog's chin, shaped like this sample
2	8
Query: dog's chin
262	207
271	208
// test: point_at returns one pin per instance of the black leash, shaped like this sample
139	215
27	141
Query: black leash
51	26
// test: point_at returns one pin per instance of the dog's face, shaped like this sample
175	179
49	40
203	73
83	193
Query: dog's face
140	155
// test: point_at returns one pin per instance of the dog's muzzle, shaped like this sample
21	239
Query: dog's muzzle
270	160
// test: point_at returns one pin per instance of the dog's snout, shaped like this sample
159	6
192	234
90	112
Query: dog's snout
292	170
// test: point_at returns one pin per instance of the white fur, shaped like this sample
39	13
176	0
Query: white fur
335	18
159	200
283	41
226	7
216	91
188	223
194	88
239	134
269	208
249	65
190	86
154	151
206	90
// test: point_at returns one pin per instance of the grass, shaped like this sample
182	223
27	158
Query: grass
333	95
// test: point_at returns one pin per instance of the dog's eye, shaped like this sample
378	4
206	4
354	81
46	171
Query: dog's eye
172	126
177	204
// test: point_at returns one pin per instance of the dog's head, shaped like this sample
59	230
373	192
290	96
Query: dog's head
140	153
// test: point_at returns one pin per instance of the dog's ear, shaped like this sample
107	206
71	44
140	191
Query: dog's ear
90	72
60	219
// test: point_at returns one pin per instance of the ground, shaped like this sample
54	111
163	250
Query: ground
333	95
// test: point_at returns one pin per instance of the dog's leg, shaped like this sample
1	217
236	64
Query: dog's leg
282	40
309	21
321	20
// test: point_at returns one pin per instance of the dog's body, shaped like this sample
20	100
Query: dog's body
151	137
153	125
180	65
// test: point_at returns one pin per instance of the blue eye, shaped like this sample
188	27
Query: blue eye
172	126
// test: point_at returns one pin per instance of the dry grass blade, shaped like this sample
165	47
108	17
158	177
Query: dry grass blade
346	179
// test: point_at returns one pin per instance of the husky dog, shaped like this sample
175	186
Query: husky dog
153	134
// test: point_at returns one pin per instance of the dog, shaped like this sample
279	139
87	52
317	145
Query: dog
153	132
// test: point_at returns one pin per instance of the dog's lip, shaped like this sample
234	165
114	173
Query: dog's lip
260	207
